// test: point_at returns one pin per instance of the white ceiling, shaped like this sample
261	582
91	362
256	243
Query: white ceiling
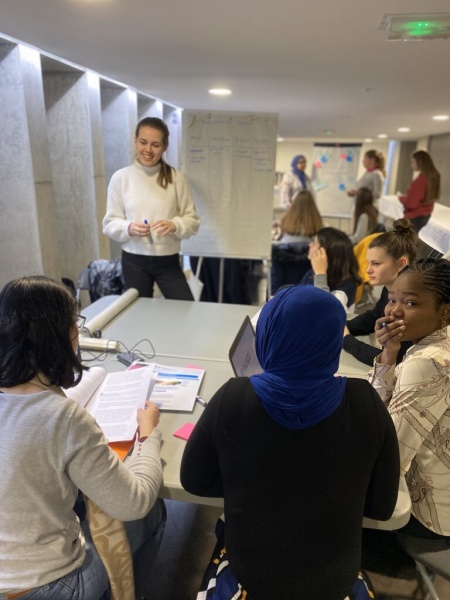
322	65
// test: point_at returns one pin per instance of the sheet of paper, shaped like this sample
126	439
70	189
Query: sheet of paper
90	382
115	406
176	388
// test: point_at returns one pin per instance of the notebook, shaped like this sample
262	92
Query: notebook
242	353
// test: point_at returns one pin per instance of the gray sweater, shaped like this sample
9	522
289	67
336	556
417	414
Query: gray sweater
49	448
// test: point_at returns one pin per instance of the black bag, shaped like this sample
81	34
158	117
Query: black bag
105	278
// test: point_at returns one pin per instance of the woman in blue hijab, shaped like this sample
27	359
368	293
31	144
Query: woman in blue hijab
294	181
299	455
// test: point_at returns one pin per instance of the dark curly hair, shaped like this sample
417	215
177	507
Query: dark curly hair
436	277
37	317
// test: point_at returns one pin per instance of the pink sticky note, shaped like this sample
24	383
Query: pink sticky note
185	431
318	164
343	156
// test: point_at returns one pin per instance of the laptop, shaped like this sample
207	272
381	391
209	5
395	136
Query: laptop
242	353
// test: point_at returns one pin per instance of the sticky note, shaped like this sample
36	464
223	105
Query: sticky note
185	431
342	186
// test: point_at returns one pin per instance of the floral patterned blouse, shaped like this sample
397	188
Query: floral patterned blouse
417	394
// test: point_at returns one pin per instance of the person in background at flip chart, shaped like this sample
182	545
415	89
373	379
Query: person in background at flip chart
51	448
373	178
294	181
299	456
423	191
150	209
365	215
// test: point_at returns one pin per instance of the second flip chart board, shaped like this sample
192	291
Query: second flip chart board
229	160
335	167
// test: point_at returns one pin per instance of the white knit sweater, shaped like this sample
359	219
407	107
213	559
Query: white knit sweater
134	195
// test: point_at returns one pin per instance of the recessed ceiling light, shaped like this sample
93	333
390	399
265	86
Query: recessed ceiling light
440	118
367	140
403	129
220	91
280	139
381	136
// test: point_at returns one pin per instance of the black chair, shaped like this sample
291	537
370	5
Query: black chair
432	557
289	263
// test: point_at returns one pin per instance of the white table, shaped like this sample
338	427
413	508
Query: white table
170	325
436	233
177	328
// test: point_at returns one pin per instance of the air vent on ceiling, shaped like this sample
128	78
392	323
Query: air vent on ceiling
419	26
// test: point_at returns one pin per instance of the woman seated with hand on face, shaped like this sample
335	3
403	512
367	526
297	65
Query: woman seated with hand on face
387	255
417	391
51	447
334	266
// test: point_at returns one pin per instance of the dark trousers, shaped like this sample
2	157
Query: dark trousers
419	222
141	272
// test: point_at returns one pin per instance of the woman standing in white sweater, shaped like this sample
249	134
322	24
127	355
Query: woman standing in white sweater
150	209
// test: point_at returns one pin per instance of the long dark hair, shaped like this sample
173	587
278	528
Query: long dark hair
426	166
342	263
364	204
165	174
401	241
37	319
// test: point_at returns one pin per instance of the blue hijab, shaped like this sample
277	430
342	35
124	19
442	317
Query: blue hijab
300	174
298	342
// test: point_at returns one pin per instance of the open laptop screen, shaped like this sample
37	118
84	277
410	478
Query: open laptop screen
242	352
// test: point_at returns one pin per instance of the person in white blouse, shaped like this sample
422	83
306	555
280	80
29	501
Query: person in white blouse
417	391
294	181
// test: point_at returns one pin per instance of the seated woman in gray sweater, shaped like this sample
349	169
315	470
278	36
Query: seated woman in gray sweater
299	456
50	448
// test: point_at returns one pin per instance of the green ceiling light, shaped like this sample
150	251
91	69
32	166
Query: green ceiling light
431	26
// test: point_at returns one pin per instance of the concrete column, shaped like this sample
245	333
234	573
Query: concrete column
67	100
96	128
149	107
37	130
20	248
172	118
118	124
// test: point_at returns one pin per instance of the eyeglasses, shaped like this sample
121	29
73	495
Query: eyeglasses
81	320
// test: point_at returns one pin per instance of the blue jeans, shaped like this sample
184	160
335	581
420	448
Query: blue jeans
90	581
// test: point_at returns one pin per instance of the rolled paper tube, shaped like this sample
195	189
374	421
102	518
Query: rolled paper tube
109	313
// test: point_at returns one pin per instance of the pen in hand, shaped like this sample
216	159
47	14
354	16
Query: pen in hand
149	233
